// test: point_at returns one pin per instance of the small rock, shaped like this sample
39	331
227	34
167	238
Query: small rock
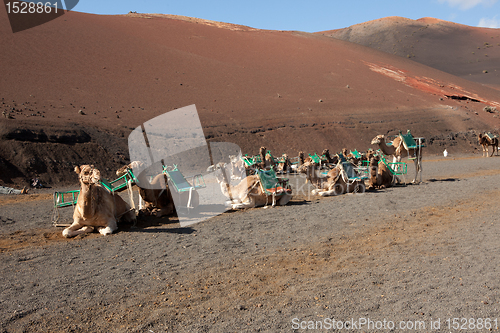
81	112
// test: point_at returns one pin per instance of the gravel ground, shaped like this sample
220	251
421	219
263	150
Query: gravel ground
413	257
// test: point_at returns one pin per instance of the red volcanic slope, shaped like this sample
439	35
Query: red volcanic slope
288	90
453	48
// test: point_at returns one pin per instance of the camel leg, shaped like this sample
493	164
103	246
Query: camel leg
76	229
248	203
334	189
315	191
417	169
110	228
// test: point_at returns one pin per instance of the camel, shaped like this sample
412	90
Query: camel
334	183
303	160
156	195
249	192
398	150
369	154
267	161
329	158
485	141
96	207
284	166
351	158
380	175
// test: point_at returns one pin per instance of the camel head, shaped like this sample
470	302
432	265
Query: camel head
481	138
221	173
233	158
378	139
369	154
301	157
88	174
374	160
262	151
134	165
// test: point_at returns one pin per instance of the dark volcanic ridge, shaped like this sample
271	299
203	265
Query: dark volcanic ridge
73	89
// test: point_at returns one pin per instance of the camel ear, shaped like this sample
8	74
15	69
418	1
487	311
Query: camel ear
77	169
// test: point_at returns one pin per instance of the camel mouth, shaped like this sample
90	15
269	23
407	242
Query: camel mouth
89	176
88	180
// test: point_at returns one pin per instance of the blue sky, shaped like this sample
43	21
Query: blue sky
309	16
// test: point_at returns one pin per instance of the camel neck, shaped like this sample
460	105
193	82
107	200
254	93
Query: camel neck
88	193
388	150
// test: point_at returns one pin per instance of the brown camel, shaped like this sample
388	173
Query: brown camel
267	161
96	207
485	141
155	193
284	165
329	158
303	159
335	182
380	175
369	154
398	150
249	192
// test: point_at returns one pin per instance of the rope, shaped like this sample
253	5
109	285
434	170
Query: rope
189	199
131	195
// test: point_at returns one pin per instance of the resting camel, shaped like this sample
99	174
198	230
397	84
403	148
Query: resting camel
334	183
303	159
380	175
485	141
248	193
96	207
398	150
155	195
284	166
267	161
329	158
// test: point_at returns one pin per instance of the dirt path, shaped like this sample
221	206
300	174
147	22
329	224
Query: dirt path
414	254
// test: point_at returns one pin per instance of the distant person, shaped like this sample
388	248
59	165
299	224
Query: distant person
10	190
445	153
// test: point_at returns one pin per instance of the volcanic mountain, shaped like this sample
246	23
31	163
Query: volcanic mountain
469	52
72	90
